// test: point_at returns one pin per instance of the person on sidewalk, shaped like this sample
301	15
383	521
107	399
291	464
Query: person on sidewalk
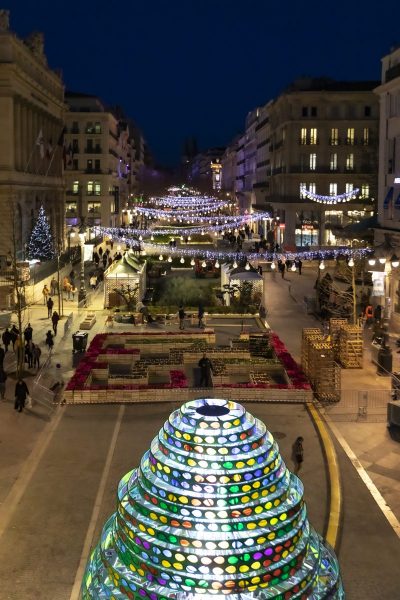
54	319
3	379
45	292
28	333
53	286
14	335
6	337
36	356
49	340
298	453
369	316
21	394
281	268
50	305
206	369
93	282
73	292
200	315
378	314
29	354
298	263
2	355
181	315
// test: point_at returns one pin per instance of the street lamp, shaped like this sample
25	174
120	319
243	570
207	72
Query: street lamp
82	237
70	234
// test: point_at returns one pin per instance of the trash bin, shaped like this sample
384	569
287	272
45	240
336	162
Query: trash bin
385	361
79	339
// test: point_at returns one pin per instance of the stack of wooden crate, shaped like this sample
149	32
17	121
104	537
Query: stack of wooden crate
351	347
335	326
310	334
324	371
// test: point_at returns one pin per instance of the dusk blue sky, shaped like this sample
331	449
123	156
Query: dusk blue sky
196	67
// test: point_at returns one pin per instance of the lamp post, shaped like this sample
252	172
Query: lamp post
82	288
70	234
353	287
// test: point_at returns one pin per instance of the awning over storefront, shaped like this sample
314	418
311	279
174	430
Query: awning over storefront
388	198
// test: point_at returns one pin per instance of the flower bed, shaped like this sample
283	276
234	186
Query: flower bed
94	362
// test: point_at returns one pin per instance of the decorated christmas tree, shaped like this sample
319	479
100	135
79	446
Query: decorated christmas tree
212	512
41	245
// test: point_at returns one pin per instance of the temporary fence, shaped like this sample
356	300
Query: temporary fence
360	405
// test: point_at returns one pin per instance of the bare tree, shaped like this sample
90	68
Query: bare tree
129	293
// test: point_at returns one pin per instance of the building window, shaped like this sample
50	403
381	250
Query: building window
350	136
89	127
97	188
97	127
89	165
75	164
94	207
333	189
349	188
304	111
350	162
303	186
313	135
312	187
70	207
90	188
93	188
75	187
333	162
75	147
313	162
75	127
365	190
314	111
367	111
366	136
334	141
97	164
303	135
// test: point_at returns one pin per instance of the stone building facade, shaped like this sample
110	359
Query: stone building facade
31	125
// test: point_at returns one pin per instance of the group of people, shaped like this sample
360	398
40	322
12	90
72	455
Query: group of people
287	264
25	347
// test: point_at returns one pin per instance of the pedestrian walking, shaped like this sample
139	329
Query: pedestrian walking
298	263
100	251
93	282
45	292
36	356
28	333
369	315
14	335
54	319
104	261
2	355
206	368
200	315
3	379
181	315
73	291
21	394
29	354
50	305
49	340
298	453
72	276
281	267
6	337
378	314
53	286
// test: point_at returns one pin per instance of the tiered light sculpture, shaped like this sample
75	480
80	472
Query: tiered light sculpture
212	512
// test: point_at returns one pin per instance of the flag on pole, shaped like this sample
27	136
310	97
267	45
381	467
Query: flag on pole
40	143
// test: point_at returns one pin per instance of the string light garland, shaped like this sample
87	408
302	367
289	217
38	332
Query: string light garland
335	199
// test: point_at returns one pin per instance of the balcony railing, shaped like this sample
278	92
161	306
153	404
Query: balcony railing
94	171
392	73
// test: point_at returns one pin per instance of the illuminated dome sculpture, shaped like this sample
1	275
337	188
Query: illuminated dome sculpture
211	513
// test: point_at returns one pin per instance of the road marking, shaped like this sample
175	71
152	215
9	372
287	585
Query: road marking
335	489
373	490
87	545
13	498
